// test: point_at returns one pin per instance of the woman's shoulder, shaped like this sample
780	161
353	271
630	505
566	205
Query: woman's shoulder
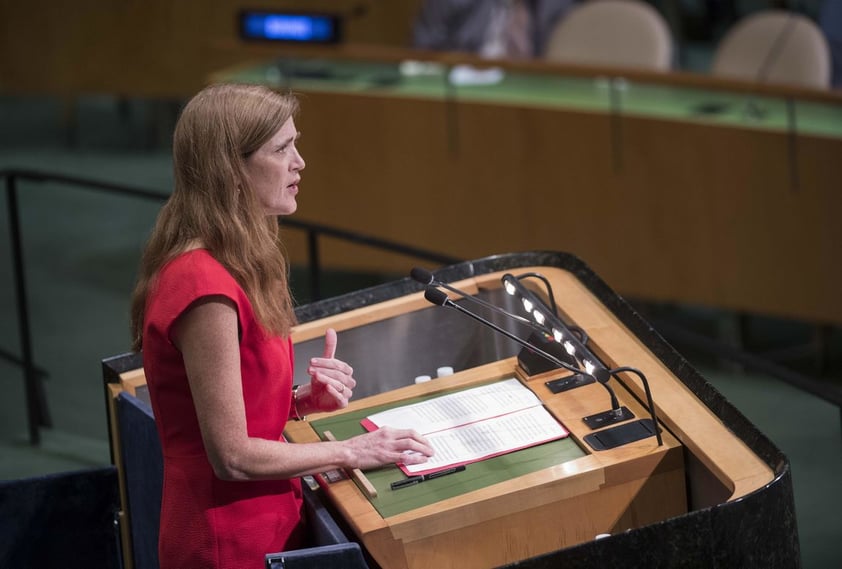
193	260
196	272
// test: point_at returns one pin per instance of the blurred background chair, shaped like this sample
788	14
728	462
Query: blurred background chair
616	33
774	46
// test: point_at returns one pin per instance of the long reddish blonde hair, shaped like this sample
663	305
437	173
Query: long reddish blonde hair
213	204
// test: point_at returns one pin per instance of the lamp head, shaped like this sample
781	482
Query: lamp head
509	283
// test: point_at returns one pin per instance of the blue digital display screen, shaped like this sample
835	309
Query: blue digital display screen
291	27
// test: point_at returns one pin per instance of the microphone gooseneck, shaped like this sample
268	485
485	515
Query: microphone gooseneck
649	401
602	375
439	298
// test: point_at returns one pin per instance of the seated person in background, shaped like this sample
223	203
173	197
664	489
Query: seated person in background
516	29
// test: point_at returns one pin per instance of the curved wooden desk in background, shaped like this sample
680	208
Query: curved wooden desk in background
711	206
676	187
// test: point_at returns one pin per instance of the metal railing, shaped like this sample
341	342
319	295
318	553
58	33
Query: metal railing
38	414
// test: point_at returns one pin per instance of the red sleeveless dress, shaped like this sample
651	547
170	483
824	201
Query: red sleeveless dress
205	521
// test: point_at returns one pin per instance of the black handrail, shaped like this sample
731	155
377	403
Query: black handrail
38	414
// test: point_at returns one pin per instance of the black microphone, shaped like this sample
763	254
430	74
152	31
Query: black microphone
439	298
423	276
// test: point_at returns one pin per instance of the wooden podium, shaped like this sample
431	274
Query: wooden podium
563	502
716	493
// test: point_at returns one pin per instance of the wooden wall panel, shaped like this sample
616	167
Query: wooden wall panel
157	48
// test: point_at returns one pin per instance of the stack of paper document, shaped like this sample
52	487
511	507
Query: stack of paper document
474	424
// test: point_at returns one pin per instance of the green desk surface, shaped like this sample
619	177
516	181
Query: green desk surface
477	475
599	95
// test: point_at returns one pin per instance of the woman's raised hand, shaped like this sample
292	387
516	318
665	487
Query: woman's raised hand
331	380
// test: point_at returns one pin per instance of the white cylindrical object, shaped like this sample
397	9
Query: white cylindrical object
422	378
444	371
602	535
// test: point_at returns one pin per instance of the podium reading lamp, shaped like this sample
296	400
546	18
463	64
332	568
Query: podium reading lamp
560	332
553	331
